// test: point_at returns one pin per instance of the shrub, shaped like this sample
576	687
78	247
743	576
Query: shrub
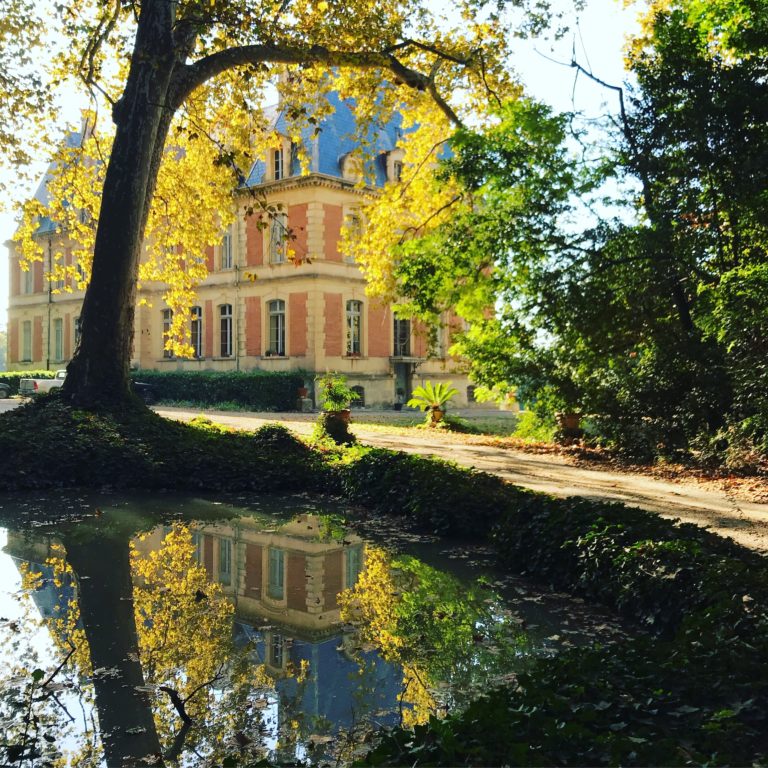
254	390
437	495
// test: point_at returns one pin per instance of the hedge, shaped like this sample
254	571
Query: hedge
254	390
12	378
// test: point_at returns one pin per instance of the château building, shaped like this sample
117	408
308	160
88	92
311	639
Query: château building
258	309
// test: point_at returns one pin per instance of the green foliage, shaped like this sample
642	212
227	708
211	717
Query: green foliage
50	445
434	495
652	323
693	690
535	427
692	693
254	390
432	396
335	393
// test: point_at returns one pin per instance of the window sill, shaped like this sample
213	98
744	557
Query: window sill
355	357
275	357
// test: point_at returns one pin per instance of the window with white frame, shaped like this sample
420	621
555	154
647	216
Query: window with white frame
58	339
225	561
226	251
276	651
196	331
27	280
26	341
278	169
438	345
354	328
225	330
278	238
167	323
276	574
197	543
276	313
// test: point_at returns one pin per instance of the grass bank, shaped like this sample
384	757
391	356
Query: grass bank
690	689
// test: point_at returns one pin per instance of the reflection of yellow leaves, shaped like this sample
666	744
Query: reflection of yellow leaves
184	642
371	604
418	694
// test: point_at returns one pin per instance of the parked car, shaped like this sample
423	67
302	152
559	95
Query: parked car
145	391
5	390
31	387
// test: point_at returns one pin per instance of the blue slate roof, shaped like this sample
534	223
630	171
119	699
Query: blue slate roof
47	225
335	139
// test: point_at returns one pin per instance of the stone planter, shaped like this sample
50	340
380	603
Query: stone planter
437	415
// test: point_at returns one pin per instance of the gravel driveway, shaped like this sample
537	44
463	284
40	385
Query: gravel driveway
746	522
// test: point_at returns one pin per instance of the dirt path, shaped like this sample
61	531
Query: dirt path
746	522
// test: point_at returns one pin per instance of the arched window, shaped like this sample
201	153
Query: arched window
167	323
276	311
360	392
196	331
354	328
225	330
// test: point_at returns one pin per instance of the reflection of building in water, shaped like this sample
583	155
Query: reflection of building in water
284	580
29	553
288	574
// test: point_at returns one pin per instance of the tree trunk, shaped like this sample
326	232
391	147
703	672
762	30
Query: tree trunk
105	592
98	375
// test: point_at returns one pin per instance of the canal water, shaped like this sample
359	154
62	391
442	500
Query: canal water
206	633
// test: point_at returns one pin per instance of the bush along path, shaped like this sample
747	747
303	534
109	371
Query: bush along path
690	689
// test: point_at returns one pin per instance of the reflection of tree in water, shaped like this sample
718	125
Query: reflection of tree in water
155	639
42	701
184	625
452	641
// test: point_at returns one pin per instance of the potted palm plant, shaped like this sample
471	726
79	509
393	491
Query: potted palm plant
433	399
335	398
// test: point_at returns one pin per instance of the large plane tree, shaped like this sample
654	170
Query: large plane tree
174	71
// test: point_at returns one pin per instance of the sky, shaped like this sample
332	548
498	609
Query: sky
597	36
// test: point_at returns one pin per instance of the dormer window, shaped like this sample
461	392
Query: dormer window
394	163
351	167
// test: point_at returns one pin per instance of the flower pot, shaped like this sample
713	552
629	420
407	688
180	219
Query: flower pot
303	391
437	415
341	415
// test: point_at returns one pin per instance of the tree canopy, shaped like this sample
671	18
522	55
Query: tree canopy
627	282
184	84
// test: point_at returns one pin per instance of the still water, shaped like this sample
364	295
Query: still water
178	631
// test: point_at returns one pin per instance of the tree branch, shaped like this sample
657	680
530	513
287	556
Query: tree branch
177	701
194	75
